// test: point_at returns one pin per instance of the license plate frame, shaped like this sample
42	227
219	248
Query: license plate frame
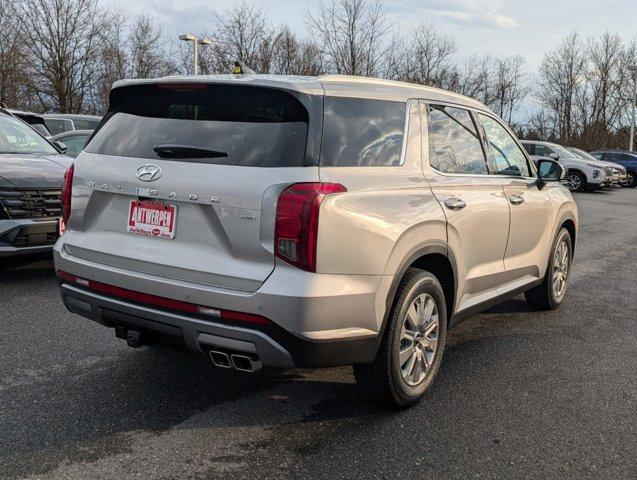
152	218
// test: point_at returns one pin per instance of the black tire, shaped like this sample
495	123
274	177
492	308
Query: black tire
631	182
543	296
577	183
382	380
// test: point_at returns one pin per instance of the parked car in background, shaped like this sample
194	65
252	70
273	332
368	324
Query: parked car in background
287	221
31	173
64	122
619	171
74	140
35	120
580	174
623	157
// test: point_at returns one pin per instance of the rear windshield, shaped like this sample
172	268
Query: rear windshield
220	124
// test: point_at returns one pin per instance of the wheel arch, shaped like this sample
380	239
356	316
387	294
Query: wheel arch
576	170
437	259
569	225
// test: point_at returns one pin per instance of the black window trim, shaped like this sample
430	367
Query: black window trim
530	164
425	124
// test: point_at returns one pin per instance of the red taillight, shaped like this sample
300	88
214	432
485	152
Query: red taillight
162	302
297	217
65	197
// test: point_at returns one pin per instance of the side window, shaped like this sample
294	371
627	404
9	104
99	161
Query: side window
529	147
542	151
454	144
359	132
597	155
507	157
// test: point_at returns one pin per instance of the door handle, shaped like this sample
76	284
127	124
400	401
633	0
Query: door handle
454	203
516	199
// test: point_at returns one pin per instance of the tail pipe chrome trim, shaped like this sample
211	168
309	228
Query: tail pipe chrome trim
220	359
245	363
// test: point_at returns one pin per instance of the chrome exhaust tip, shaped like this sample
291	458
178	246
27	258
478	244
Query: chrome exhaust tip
220	359
244	363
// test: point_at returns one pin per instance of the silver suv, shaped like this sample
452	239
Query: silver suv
580	174
308	222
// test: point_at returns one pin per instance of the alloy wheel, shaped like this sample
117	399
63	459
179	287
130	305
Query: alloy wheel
574	182
418	339
561	265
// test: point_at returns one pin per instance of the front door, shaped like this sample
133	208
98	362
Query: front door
530	228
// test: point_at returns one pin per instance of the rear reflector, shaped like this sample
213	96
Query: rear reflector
161	301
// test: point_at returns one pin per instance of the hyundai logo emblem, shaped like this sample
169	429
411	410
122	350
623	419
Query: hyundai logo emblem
148	173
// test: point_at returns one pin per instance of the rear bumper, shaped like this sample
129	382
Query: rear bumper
318	320
27	236
273	346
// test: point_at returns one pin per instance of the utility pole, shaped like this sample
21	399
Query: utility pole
631	147
195	41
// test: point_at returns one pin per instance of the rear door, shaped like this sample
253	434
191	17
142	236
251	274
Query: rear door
182	180
472	199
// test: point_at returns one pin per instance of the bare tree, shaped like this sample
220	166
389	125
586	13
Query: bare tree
61	37
242	33
12	55
113	61
509	89
426	59
291	56
145	44
560	82
351	34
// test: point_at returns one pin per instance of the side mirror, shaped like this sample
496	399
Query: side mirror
554	156
60	146
550	171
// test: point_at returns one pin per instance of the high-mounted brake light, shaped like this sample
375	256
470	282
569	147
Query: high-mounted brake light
65	196
297	218
162	302
181	87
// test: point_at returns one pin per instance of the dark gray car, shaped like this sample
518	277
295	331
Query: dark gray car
31	172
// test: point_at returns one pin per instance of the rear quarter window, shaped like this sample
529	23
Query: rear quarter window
362	133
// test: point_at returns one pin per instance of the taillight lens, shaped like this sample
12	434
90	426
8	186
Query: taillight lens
297	217
65	197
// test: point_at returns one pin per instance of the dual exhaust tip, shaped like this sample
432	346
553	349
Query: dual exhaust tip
237	361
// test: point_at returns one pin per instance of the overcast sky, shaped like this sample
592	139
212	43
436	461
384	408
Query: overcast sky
500	27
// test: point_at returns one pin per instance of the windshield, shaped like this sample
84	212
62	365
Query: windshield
562	152
582	154
220	124
17	137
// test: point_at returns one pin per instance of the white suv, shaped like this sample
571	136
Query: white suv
580	174
310	222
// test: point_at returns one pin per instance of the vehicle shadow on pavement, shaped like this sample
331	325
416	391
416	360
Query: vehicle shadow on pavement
27	267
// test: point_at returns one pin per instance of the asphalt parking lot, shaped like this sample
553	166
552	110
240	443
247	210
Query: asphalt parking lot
520	394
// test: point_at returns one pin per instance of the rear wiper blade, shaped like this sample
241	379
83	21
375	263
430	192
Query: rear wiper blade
186	151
